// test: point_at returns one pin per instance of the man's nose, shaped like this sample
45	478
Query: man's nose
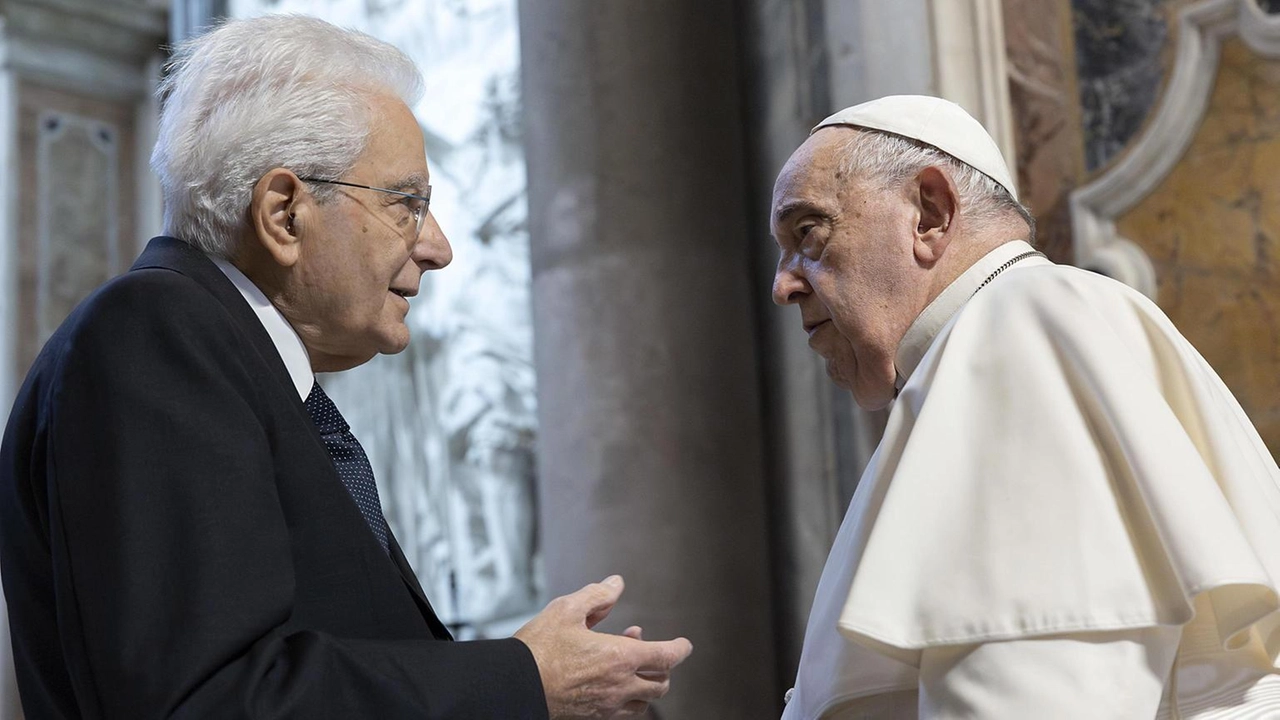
432	251
788	287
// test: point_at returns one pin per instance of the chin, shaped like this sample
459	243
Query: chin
394	342
338	363
870	390
872	394
868	395
837	378
843	373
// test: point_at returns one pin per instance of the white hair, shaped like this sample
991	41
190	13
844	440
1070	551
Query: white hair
887	160
251	95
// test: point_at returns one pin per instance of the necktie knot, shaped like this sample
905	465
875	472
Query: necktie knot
324	413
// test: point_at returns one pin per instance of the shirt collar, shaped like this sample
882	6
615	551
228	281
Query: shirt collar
915	343
285	338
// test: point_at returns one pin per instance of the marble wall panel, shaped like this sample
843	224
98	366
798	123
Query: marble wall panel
1120	59
77	240
1085	76
1047	126
75	205
1212	229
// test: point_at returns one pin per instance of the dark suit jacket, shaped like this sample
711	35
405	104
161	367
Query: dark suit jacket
175	541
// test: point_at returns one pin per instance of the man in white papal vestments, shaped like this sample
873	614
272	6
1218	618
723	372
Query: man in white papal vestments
1069	515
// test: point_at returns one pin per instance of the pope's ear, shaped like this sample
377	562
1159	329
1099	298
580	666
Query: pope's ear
937	200
279	200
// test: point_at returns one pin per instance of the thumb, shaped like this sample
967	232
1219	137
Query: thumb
593	602
662	656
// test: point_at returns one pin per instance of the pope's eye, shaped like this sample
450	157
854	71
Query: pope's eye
803	230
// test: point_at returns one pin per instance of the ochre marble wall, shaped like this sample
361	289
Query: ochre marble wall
1212	228
1084	78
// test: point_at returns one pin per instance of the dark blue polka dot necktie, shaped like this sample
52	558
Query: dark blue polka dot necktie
349	459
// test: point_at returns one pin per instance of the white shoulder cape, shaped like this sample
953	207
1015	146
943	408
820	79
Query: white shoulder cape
1061	461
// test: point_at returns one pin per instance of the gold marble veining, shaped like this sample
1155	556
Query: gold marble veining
1212	229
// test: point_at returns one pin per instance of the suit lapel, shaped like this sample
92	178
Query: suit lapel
169	253
411	580
173	254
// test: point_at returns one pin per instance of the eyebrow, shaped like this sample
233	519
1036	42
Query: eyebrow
791	208
415	182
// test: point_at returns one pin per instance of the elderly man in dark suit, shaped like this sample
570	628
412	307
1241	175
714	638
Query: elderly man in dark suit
187	526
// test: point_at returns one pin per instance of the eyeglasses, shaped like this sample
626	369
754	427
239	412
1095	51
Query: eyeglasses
417	204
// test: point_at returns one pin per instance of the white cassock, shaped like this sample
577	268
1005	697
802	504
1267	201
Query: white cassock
1069	516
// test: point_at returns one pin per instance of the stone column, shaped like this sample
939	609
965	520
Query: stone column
790	88
188	18
10	704
650	462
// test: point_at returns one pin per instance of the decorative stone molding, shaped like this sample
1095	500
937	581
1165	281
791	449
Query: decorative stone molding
88	47
77	213
866	54
1260	29
1096	206
970	64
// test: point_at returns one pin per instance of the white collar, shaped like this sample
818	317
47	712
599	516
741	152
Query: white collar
915	343
285	338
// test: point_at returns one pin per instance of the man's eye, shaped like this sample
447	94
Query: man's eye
414	205
803	230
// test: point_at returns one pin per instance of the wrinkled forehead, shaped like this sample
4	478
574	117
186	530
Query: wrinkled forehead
396	147
813	175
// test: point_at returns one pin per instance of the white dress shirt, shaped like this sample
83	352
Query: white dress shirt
287	342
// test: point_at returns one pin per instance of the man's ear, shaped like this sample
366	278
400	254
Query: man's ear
938	202
278	198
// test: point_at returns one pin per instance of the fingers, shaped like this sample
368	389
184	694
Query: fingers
662	656
634	632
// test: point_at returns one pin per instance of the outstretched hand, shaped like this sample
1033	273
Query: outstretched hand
595	675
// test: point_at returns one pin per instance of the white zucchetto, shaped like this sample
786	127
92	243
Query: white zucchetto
932	121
